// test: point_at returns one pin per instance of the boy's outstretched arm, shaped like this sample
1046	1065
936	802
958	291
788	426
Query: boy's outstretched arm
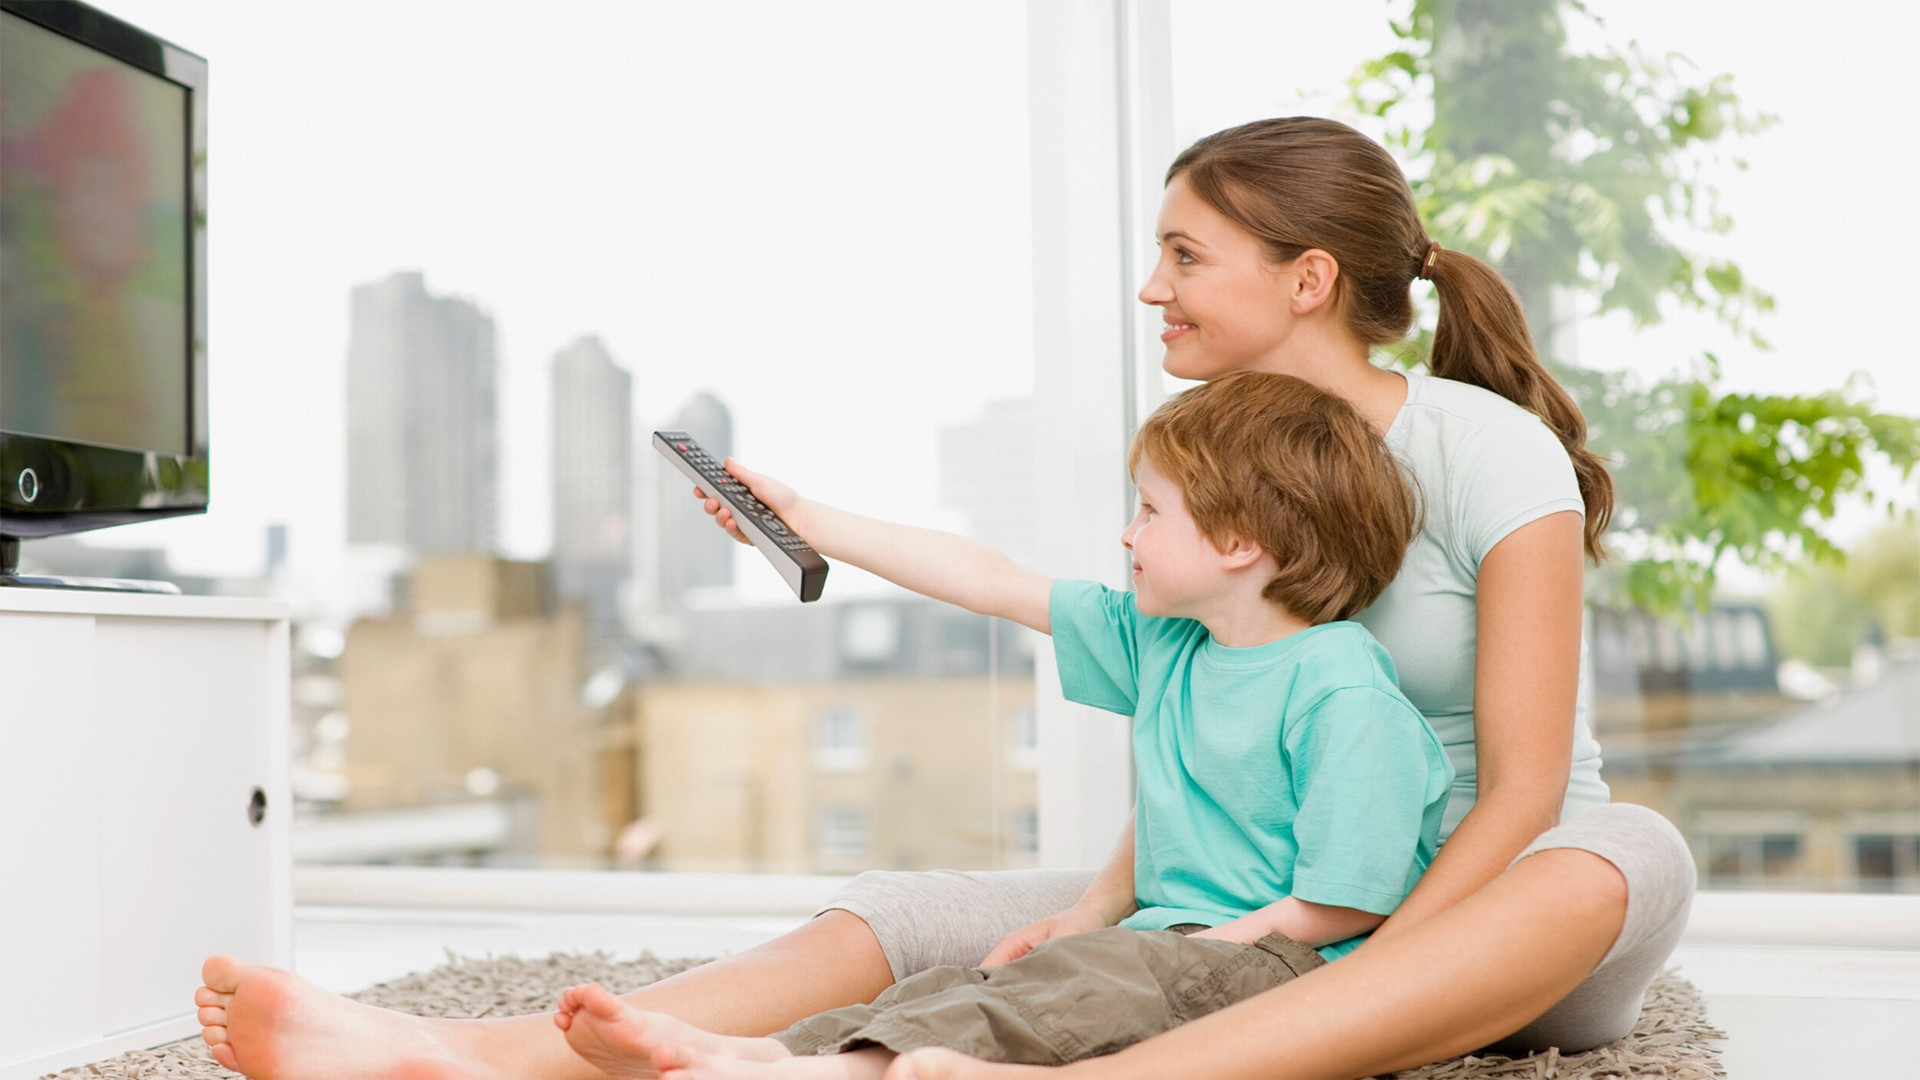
931	563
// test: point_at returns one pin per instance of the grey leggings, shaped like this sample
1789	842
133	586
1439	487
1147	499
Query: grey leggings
954	918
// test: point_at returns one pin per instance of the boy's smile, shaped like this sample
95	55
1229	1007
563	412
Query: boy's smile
1176	569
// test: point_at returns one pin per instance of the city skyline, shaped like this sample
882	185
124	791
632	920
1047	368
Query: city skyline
592	480
423	454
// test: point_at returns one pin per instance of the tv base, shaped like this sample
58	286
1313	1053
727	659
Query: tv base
11	577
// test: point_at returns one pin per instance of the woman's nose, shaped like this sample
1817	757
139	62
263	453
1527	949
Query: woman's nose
1155	291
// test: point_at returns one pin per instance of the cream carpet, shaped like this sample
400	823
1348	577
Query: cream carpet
1671	1041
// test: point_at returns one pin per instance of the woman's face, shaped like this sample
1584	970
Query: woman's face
1226	307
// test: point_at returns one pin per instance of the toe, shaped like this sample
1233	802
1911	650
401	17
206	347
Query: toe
928	1063
600	1003
214	1035
213	1016
223	1053
207	995
221	974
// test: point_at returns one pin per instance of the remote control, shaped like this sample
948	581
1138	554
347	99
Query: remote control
804	569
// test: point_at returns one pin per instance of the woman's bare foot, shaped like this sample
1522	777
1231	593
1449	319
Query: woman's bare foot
686	1063
620	1040
933	1063
265	1022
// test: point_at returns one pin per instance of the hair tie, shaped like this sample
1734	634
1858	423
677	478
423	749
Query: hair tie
1426	264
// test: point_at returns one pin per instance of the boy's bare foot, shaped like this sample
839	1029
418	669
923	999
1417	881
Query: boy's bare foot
620	1040
933	1063
265	1022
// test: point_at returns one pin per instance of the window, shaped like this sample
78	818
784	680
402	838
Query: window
1883	850
1023	835
1023	737
840	739
870	634
840	834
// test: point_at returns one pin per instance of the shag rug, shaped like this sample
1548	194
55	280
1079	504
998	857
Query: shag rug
1671	1040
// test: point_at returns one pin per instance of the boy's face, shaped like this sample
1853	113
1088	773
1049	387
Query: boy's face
1176	570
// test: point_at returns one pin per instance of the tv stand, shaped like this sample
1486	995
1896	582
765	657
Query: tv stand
10	576
143	783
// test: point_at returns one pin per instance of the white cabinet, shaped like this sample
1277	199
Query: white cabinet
134	733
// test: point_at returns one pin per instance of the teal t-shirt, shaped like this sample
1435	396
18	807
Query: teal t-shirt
1295	768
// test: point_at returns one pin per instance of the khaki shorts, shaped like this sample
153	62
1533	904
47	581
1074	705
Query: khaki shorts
1070	998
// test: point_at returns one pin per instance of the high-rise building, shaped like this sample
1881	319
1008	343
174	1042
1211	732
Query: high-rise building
986	471
422	444
592	480
693	553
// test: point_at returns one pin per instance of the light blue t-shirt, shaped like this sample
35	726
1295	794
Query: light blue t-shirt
1295	768
1484	467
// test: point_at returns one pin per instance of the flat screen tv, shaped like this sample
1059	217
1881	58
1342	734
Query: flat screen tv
103	298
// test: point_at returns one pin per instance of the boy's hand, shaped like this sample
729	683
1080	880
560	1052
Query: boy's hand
1074	920
779	498
1244	930
1304	921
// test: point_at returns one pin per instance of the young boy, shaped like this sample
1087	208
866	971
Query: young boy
1288	795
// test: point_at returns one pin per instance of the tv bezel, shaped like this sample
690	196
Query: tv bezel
75	486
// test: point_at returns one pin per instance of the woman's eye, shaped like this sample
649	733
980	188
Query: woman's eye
1182	256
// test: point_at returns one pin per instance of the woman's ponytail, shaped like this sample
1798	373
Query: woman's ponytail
1301	182
1482	338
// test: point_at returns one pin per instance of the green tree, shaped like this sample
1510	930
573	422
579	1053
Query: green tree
1584	174
1821	611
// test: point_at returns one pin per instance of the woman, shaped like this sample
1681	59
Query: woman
1288	246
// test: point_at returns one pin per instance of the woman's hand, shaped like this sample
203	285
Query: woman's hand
779	498
1074	920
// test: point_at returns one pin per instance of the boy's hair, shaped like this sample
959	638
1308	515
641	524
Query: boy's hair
1296	470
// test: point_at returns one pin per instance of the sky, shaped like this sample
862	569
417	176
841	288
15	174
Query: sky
820	213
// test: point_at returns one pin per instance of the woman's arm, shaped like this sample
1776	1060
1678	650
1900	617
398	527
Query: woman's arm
1108	900
931	563
1526	676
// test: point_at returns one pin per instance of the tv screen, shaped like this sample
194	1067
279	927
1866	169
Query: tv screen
93	272
103	317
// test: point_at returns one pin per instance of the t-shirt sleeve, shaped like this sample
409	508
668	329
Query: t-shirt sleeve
1368	775
1513	472
1096	645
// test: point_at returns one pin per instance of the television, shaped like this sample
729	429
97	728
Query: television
103	297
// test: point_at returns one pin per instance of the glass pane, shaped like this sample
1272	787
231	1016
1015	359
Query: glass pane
820	222
1873	862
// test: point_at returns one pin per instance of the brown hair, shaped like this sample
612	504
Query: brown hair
1295	469
1302	182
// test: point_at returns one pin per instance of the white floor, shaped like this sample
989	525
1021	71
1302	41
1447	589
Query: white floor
1790	1013
1810	1014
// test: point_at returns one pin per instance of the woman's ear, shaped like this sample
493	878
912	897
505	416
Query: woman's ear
1314	272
